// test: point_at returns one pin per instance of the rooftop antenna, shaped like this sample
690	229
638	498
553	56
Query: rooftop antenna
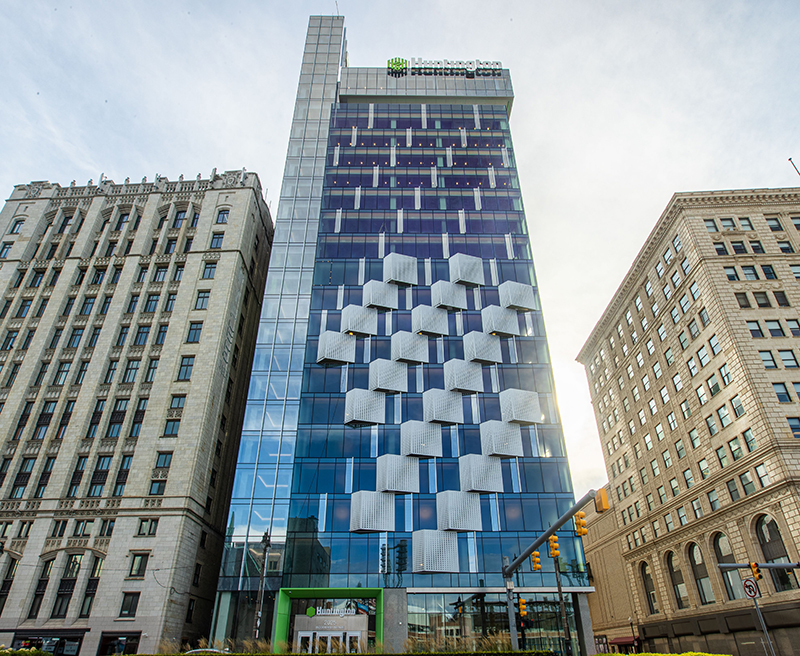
337	6
792	163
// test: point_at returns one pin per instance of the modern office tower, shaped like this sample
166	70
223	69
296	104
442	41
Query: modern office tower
693	370
401	433
127	319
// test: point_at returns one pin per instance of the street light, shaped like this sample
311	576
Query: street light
633	635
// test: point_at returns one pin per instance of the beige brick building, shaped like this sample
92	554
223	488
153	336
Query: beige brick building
128	315
694	377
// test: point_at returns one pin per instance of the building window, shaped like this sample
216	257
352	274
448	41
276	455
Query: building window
194	332
209	270
147	527
151	370
774	550
733	490
768	359
178	275
763	476
713	500
724	553
649	589
152	303
216	240
171	427
222	216
185	370
112	369
142	333
130	601
131	370
138	565
202	300
157	488
169	247
177	222
160	274
781	392
5	249
132	304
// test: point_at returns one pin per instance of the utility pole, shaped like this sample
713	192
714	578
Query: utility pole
265	541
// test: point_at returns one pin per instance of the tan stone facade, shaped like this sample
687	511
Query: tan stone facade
127	325
693	370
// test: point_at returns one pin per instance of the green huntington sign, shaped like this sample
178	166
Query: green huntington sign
419	66
397	64
311	611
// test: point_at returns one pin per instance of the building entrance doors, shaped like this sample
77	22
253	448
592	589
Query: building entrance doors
328	642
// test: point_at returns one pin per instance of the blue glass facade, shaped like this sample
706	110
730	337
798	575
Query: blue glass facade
402	429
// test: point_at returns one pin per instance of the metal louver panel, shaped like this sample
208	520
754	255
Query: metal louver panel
448	295
520	407
336	347
480	473
365	407
400	269
466	269
517	296
501	439
398	474
359	320
429	320
480	347
379	294
388	376
421	439
434	551
371	511
410	347
462	376
442	406
458	511
500	321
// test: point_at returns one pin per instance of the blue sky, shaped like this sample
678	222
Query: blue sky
618	105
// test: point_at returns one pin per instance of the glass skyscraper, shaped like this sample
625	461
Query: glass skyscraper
401	433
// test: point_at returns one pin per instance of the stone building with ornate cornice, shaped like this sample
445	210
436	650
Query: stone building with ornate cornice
128	315
694	377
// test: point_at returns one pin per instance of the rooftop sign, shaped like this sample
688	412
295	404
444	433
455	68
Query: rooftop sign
470	68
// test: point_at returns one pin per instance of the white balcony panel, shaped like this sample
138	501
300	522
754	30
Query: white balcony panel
463	376
442	407
371	512
429	320
400	269
517	296
500	321
448	295
364	407
458	511
388	376
336	347
359	320
398	474
501	439
434	551
410	347
520	407
421	439
379	294
481	347
480	473
466	269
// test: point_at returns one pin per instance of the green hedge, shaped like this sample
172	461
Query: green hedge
23	652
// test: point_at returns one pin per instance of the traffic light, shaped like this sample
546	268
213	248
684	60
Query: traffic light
523	608
536	562
601	500
580	523
756	571
554	552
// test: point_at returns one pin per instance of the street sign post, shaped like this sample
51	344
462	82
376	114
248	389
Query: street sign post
751	588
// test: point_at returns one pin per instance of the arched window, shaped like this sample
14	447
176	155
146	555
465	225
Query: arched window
769	537
649	589
724	553
700	572
676	576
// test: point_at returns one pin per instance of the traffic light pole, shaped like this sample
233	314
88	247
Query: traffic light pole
510	568
756	567
563	609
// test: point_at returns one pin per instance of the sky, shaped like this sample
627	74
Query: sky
619	104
